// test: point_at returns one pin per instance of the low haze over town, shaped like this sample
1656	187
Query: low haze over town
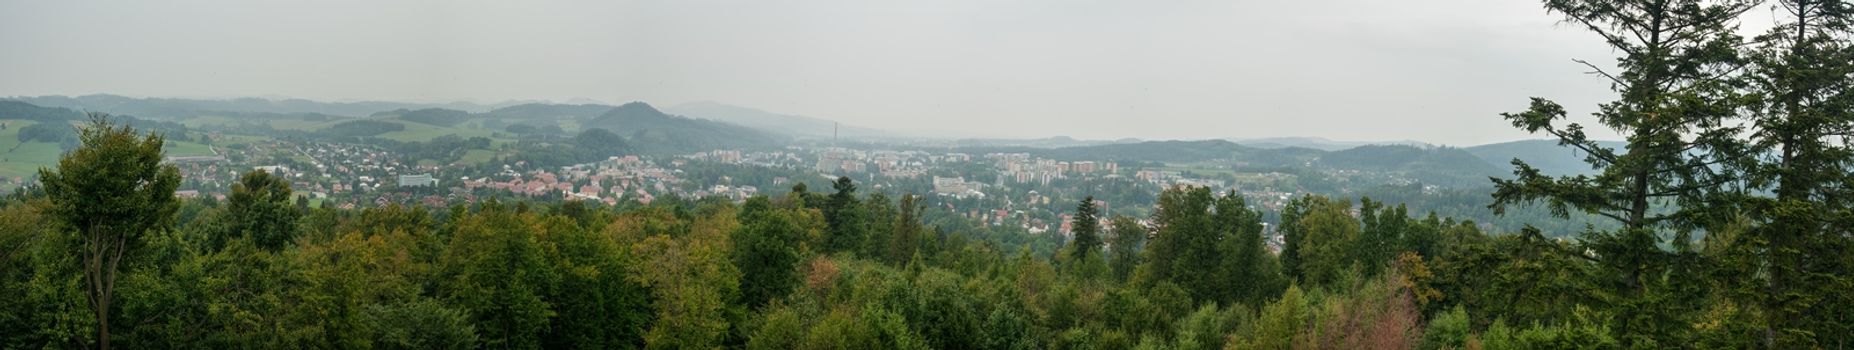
825	174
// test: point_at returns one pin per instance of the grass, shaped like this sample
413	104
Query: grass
420	132
299	124
209	120
23	160
229	139
274	123
185	149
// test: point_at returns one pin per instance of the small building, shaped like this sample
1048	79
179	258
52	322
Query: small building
418	180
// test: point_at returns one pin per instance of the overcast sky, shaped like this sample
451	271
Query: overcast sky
1430	70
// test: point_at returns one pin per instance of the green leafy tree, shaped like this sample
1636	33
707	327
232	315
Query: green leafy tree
259	208
1185	250
1448	330
779	328
420	324
496	270
110	192
1329	241
42	305
1291	233
688	267
1250	274
1280	324
767	249
1005	328
1124	246
596	304
1381	232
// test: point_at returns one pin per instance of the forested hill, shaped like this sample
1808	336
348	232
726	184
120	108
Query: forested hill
1546	155
27	111
171	108
432	116
784	124
654	132
550	112
1435	164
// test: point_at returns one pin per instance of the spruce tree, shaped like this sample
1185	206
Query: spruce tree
1803	74
844	213
1086	225
1676	98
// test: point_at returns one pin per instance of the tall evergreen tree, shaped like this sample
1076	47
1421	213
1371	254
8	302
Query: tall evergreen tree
110	192
844	213
1250	275
1676	98
1291	233
905	238
1803	70
1187	250
1086	226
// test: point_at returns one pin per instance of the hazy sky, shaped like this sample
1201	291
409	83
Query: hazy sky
1430	70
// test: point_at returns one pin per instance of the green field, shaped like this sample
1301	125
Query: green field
299	124
570	125
23	160
228	140
274	123
185	149
420	132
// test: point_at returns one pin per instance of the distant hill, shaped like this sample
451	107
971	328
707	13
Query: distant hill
171	108
28	111
786	124
1402	157
1438	165
649	130
1546	155
431	116
1047	142
1315	143
543	111
360	128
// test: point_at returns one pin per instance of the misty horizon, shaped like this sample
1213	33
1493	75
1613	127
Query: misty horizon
484	106
1098	70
